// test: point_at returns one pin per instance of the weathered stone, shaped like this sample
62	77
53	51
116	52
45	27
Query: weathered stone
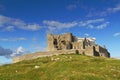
67	41
67	44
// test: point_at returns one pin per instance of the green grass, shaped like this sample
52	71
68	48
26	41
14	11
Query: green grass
63	67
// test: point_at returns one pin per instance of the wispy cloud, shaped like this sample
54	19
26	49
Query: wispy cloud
8	23
19	51
116	34
71	7
105	12
113	9
13	39
86	34
93	24
74	5
8	53
88	22
60	24
9	29
96	23
56	25
103	25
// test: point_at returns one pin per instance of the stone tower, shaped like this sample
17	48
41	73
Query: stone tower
59	42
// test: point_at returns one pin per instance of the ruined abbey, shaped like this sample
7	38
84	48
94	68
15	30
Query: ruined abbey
86	46
67	44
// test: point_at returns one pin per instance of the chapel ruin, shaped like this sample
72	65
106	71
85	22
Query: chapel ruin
86	46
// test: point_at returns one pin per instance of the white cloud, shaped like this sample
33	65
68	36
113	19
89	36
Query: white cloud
90	26
113	9
19	51
4	39
9	28
86	34
96	23
3	20
74	5
9	53
105	12
88	22
19	39
93	24
102	25
10	24
116	34
71	7
13	39
110	10
54	25
33	27
59	24
7	21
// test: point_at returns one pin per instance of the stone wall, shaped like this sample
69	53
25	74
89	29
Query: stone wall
67	44
89	51
77	45
68	41
102	51
59	42
42	54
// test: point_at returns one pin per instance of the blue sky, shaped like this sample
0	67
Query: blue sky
25	23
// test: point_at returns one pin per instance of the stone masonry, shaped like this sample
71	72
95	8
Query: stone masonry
67	44
86	46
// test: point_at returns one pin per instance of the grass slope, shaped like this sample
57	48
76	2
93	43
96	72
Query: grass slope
63	67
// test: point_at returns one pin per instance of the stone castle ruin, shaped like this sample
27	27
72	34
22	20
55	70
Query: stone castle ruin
86	46
67	44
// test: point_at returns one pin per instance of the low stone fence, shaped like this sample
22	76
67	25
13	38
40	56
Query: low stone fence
41	54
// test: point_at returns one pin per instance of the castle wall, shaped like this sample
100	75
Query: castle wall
89	51
50	45
59	42
102	51
67	44
68	41
77	45
42	54
67	37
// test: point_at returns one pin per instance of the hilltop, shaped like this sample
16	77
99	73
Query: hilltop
63	67
67	44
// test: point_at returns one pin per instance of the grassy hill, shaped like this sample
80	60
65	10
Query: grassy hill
63	67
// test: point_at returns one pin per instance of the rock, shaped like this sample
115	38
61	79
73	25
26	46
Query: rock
36	67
